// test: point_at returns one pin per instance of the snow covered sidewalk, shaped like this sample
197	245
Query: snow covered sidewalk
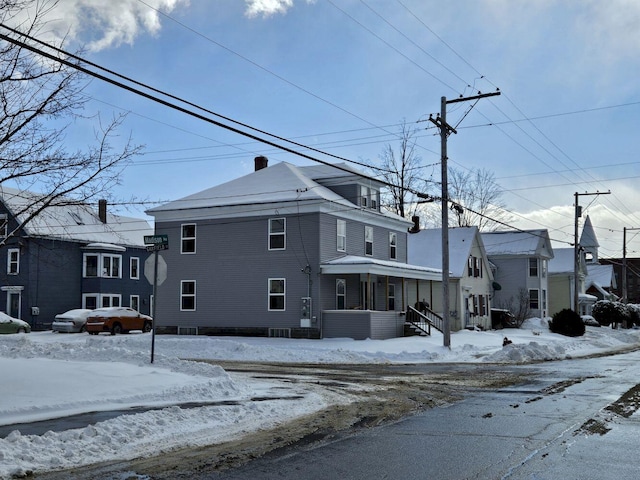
46	375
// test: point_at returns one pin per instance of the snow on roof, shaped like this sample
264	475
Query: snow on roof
76	222
563	261
281	182
521	242
277	184
425	248
601	275
355	264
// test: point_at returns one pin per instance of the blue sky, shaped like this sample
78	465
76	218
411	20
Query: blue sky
340	75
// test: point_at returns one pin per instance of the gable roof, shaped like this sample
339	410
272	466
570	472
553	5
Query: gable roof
280	186
601	275
425	248
525	243
563	262
74	222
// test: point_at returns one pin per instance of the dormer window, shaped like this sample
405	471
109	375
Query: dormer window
364	196
3	225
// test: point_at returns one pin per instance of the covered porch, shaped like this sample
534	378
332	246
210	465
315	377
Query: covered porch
375	298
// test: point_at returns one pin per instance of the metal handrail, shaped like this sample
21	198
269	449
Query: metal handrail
424	321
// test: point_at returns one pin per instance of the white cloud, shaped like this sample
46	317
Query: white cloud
268	8
101	25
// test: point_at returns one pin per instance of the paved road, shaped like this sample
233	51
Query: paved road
565	424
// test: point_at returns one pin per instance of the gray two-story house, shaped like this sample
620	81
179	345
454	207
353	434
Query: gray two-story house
520	263
70	255
286	251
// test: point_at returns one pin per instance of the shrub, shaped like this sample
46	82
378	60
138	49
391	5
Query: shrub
567	322
634	314
607	312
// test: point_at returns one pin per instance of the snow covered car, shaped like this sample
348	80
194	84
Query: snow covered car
117	320
13	325
72	321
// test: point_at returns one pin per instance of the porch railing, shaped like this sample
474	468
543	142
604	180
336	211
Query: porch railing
424	320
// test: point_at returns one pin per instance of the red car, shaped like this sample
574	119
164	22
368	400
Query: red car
117	320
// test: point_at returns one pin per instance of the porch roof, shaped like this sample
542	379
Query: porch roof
351	264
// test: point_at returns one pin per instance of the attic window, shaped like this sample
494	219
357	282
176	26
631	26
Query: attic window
76	218
3	225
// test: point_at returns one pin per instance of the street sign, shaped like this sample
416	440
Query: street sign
156	242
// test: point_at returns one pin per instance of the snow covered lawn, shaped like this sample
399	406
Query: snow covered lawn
48	375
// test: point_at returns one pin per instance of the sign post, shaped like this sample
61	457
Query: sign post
154	244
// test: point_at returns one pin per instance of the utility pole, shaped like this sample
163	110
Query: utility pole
576	247
624	262
445	131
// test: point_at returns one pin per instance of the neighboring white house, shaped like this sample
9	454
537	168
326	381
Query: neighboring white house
470	286
519	262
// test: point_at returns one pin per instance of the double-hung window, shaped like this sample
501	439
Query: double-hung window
534	299
187	295
341	294
277	233
111	266
13	261
368	241
341	238
533	267
188	238
3	225
393	245
134	269
277	291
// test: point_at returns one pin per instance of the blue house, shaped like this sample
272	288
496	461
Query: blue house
68	255
286	251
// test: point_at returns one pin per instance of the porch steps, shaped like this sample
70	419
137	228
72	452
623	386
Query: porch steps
420	323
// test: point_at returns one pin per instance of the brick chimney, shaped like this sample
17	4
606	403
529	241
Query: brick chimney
260	162
102	210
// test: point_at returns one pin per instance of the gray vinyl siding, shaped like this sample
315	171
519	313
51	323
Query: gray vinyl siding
231	268
361	325
512	275
355	244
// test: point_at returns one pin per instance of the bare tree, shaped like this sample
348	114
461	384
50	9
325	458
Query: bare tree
475	200
40	100
402	168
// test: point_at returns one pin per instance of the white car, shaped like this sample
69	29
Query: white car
72	321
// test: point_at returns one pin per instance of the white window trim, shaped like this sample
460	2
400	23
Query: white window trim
283	234
111	257
341	234
188	295
393	245
133	260
111	297
391	294
131	302
4	223
183	238
538	298
283	295
11	262
368	239
537	275
343	295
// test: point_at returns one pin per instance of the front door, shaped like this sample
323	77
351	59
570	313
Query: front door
13	304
